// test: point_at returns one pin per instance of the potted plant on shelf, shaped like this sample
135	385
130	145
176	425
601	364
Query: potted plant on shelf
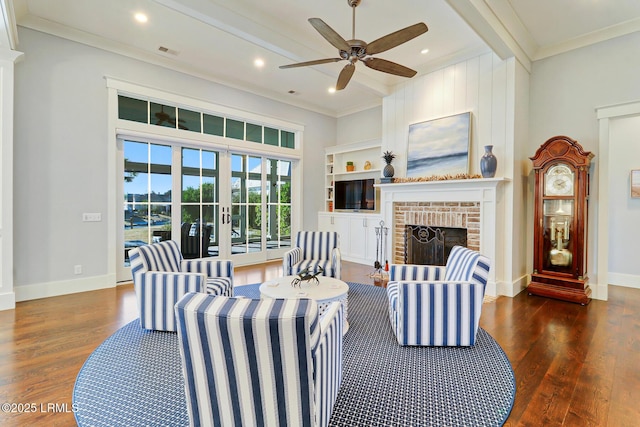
388	170
350	167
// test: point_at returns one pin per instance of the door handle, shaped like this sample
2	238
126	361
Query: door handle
226	215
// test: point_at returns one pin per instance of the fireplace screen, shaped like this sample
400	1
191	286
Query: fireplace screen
425	245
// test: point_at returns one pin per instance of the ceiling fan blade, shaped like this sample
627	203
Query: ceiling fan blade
397	38
389	67
329	34
345	76
316	62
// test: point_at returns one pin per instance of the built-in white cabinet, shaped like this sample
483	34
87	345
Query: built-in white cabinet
357	233
365	160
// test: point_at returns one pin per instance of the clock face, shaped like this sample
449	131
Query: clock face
558	181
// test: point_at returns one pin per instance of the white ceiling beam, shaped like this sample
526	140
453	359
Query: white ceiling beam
490	27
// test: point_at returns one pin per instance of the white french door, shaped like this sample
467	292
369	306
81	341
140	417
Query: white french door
214	203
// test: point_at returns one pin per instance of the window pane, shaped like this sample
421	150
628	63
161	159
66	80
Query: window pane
237	195
235	129
135	110
189	120
160	154
190	158
254	133
254	232
160	221
213	125
271	136
190	188
163	115
287	139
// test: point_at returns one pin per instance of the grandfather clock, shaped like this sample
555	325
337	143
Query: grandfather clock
560	229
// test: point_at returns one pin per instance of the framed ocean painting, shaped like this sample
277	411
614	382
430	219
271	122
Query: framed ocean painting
439	146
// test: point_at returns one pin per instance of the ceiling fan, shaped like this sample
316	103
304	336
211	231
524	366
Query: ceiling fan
355	50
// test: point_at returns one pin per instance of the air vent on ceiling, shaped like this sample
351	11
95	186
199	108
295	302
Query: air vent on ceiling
167	50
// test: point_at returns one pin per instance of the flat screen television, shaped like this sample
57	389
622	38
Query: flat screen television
356	194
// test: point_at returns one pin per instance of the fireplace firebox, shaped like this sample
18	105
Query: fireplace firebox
427	245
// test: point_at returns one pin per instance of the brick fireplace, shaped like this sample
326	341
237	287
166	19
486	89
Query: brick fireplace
471	204
465	215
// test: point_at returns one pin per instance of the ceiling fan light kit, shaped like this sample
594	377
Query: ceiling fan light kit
355	50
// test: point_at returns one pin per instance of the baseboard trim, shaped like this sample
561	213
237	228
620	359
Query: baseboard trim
511	289
63	287
625	280
7	301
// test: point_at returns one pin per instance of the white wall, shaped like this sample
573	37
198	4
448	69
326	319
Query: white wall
361	126
565	91
624	229
61	146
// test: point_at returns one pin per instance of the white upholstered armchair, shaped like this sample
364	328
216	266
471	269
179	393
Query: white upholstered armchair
438	305
161	277
259	362
314	249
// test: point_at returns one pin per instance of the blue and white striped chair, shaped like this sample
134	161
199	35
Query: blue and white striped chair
161	277
314	249
259	362
438	305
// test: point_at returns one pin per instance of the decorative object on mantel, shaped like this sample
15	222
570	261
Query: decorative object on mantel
438	178
388	170
367	165
488	162
350	167
439	146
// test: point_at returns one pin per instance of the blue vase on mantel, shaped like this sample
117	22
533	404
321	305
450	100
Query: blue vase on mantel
488	162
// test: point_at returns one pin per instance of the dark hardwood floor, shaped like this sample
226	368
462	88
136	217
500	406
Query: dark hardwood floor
574	365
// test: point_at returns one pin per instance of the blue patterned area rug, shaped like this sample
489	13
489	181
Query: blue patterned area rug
134	378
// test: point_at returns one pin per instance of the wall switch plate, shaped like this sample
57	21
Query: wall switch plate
91	217
77	269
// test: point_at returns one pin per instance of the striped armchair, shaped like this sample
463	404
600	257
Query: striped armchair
161	277
259	362
314	249
438	305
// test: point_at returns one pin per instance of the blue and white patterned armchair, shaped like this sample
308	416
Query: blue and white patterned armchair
438	305
259	362
314	249
161	277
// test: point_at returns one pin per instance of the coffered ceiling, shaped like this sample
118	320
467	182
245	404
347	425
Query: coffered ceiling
219	40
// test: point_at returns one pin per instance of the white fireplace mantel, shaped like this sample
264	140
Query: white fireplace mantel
486	191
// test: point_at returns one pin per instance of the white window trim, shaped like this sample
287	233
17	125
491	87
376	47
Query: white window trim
125	129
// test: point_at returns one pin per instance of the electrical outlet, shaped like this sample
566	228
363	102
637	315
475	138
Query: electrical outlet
77	269
92	217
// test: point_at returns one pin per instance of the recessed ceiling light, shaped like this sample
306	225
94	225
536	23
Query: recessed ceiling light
141	17
423	51
258	62
332	90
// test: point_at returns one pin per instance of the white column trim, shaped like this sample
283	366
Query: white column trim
601	245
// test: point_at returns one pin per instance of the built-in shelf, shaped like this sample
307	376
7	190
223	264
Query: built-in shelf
336	159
